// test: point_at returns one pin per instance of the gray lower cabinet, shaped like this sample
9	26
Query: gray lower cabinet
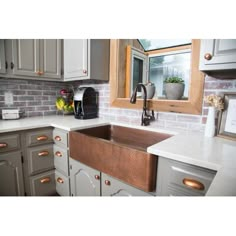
116	188
11	177
61	162
218	55
39	172
2	57
176	178
85	181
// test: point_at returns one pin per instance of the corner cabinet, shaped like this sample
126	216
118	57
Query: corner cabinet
86	181
176	178
56	59
217	55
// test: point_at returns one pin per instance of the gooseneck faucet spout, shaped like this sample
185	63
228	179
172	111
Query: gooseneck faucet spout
146	118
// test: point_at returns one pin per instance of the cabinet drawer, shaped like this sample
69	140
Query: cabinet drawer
40	158
43	184
60	137
39	137
9	142
62	184
183	179
61	159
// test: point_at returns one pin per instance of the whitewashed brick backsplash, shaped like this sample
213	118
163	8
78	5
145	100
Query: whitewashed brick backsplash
37	98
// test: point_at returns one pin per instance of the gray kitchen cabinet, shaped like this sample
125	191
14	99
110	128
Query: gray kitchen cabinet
85	181
57	59
38	166
2	57
11	177
61	162
176	178
36	58
218	55
116	188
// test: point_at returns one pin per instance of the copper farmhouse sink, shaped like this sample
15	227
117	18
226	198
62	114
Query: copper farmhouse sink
118	151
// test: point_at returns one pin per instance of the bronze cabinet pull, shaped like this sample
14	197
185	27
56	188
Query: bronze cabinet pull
42	138
107	182
3	145
208	56
60	180
45	180
58	154
97	177
192	183
39	72
43	153
57	138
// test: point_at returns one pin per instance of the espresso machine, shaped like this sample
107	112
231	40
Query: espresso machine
85	103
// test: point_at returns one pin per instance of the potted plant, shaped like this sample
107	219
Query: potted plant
174	88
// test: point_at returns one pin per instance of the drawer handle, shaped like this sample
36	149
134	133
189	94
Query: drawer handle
60	180
97	177
3	145
42	138
58	154
193	184
43	154
45	180
107	182
57	138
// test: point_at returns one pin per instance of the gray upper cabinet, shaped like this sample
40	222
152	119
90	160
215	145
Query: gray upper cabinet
11	177
2	57
76	64
218	55
56	59
36	57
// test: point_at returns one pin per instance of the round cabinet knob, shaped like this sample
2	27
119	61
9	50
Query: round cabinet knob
58	154
208	56
57	138
85	71
60	180
107	182
97	177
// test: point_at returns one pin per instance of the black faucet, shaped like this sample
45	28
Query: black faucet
146	117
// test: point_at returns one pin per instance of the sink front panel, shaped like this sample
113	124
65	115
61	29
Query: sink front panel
119	152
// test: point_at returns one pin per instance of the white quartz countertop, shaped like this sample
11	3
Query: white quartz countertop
68	123
213	153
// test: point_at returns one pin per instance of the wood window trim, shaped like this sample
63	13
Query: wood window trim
191	106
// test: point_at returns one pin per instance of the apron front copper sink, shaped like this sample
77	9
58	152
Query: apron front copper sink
118	151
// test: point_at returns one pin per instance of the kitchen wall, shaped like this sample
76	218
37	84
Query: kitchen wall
37	98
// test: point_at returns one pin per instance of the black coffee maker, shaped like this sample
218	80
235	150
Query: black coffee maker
85	103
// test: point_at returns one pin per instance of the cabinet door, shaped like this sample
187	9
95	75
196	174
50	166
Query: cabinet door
2	57
85	181
25	57
11	177
76	63
50	58
115	188
218	54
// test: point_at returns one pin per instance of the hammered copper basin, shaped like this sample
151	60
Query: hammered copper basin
118	151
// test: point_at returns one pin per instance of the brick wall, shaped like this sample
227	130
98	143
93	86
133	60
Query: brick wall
37	98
